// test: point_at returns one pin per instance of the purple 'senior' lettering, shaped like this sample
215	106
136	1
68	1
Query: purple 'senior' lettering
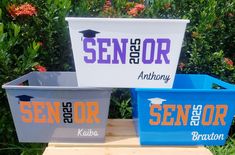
163	52
118	51
86	41
145	60
102	50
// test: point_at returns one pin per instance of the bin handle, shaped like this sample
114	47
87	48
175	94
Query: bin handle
18	81
221	83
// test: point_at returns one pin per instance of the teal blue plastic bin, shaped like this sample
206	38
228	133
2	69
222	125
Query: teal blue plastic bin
198	110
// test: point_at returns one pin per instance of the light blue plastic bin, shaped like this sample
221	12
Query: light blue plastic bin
192	113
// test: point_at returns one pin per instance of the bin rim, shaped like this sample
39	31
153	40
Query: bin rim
182	90
227	86
92	19
55	88
9	85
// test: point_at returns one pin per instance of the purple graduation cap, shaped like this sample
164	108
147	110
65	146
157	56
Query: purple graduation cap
89	33
24	98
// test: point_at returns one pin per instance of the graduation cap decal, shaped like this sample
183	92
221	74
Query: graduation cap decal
89	33
24	98
156	101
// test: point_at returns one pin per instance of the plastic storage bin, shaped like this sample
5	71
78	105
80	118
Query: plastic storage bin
192	113
49	107
124	52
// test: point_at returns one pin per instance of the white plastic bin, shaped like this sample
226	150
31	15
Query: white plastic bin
124	52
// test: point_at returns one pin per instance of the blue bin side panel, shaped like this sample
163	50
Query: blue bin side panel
173	134
135	110
185	81
184	117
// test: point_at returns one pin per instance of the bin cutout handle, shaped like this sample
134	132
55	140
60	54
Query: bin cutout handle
219	84
21	81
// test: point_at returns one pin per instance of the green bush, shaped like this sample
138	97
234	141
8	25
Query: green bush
210	39
42	38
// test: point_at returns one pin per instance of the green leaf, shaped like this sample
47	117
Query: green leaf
36	46
2	37
1	28
34	64
49	1
0	14
16	29
201	1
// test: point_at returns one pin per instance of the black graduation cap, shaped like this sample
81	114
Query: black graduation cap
89	33
24	98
